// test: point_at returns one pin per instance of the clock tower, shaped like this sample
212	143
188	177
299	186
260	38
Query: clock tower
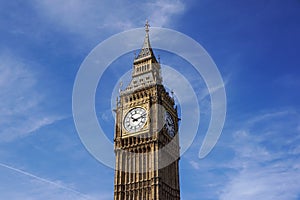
146	134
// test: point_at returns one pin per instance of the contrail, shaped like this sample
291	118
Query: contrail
44	180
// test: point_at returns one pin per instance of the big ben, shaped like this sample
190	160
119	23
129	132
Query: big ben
146	134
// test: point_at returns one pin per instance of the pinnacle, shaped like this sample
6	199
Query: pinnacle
146	51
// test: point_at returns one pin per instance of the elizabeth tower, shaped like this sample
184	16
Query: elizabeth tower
146	134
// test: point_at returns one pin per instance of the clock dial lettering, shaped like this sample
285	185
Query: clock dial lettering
135	119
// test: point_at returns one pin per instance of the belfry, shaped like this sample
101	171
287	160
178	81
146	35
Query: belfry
146	134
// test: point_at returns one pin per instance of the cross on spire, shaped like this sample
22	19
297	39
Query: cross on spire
147	26
146	50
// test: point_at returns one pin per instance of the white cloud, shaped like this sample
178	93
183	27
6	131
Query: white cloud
161	11
24	185
36	190
194	164
269	115
270	183
20	105
266	162
56	184
93	18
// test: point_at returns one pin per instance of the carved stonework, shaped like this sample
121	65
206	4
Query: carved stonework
146	135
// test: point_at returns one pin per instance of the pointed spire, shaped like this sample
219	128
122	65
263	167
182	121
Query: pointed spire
146	70
146	51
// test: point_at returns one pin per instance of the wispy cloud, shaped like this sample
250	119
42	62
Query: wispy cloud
20	105
161	11
277	181
265	163
36	190
59	185
257	158
194	164
93	17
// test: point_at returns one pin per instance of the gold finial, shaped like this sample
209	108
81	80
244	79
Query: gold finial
147	26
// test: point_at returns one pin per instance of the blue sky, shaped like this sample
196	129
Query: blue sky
255	45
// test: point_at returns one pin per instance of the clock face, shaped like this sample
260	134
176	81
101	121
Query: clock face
170	124
135	119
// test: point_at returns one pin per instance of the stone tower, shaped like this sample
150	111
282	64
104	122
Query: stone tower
146	134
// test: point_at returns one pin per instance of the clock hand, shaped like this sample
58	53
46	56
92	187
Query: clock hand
135	119
141	116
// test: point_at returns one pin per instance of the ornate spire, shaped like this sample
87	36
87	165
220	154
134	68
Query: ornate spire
146	51
147	27
146	70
